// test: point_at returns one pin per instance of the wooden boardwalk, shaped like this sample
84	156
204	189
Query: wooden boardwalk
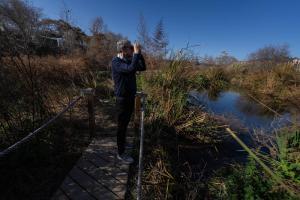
98	174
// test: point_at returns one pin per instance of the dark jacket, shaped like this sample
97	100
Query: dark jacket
123	74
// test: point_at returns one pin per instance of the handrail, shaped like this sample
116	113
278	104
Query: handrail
32	134
35	132
142	96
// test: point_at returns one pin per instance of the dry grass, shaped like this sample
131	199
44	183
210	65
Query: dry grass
169	118
280	82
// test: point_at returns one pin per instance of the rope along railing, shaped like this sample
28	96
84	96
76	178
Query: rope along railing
89	92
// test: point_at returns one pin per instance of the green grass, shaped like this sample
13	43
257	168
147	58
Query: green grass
213	79
252	182
245	182
289	155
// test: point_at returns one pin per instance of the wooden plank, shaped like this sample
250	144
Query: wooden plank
119	170
108	165
108	160
92	186
59	195
114	184
105	147
98	174
117	187
74	191
110	141
106	154
102	151
91	169
107	169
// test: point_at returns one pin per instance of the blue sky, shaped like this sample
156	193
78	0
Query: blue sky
236	26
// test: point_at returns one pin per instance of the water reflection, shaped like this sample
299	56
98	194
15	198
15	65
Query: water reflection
238	107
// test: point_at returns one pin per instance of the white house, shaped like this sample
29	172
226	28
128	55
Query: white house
296	63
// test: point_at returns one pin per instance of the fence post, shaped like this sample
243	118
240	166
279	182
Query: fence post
90	93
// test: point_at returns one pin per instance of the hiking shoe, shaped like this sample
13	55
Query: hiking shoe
124	158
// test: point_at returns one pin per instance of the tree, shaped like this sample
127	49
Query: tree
208	60
272	53
225	59
97	26
159	40
143	34
19	23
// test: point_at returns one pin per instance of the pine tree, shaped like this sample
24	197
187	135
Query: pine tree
97	26
159	40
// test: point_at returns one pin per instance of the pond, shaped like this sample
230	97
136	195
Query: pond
244	115
239	108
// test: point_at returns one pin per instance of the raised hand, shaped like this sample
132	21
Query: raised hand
137	47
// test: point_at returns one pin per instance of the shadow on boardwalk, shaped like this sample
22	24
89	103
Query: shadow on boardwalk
98	174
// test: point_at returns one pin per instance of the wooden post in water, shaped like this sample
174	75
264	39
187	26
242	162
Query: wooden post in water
90	93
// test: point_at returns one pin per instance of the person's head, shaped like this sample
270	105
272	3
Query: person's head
125	47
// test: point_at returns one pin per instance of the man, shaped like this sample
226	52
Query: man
124	67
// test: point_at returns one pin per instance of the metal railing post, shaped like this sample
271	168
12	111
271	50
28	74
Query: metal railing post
140	169
137	112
